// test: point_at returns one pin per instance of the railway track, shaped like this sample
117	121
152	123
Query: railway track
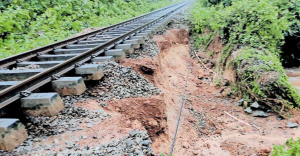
65	65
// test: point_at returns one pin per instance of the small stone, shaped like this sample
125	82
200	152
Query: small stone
110	149
248	110
95	137
133	133
146	142
138	140
129	142
69	145
279	118
56	141
291	125
266	151
36	139
89	125
240	102
259	114
84	137
195	153
100	111
185	145
255	105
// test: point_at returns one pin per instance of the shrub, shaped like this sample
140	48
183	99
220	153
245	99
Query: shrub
260	24
28	24
257	29
292	148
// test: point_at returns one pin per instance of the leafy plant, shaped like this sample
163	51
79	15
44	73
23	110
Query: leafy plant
292	148
260	24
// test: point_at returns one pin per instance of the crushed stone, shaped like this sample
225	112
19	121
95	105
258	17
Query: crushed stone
150	48
32	66
118	83
137	145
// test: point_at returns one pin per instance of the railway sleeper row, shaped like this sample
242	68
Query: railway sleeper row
12	131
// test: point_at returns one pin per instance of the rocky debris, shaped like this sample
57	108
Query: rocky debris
201	126
255	108
32	66
137	145
150	48
291	125
67	120
259	114
248	110
255	105
118	82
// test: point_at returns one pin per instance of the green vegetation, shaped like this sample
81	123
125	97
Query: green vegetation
261	76
252	32
259	24
28	24
292	148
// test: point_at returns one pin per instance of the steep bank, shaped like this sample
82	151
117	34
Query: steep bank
250	41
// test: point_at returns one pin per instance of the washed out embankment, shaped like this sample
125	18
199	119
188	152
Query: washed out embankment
204	127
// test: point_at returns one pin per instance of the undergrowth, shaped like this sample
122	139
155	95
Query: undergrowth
292	148
253	33
28	24
257	30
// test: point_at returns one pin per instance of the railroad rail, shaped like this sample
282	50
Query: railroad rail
70	56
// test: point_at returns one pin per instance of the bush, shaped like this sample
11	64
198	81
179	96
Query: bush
28	24
257	28
292	148
260	77
260	24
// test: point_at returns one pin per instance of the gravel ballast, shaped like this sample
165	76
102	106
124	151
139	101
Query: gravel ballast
150	49
118	83
137	143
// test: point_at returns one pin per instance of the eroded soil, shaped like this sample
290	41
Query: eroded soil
205	128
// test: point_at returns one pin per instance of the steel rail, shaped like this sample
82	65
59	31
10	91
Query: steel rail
11	94
9	61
